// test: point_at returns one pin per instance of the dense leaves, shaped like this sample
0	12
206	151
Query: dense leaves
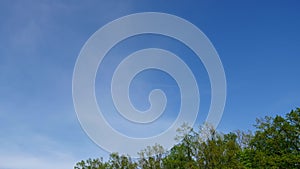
275	145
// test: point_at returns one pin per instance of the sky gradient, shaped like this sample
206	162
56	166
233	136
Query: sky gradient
258	44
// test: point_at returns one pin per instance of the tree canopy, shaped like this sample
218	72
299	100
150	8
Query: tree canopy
275	144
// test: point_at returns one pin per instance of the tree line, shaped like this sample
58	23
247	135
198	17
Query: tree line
275	144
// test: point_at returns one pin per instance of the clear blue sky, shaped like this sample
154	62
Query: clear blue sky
258	43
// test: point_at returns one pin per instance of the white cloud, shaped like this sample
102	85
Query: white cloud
28	161
34	152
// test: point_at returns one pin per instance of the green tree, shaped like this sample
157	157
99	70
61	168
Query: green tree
276	143
219	151
181	155
121	162
204	149
152	157
91	164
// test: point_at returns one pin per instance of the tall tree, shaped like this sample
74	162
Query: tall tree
91	164
276	143
121	162
152	157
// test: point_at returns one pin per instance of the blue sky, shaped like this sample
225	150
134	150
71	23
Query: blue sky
258	44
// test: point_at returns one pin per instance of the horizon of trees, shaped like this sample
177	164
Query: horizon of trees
274	145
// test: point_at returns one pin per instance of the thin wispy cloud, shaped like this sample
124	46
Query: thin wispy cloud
258	44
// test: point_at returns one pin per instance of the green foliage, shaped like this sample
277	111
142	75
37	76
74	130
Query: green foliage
151	157
121	162
91	164
274	145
